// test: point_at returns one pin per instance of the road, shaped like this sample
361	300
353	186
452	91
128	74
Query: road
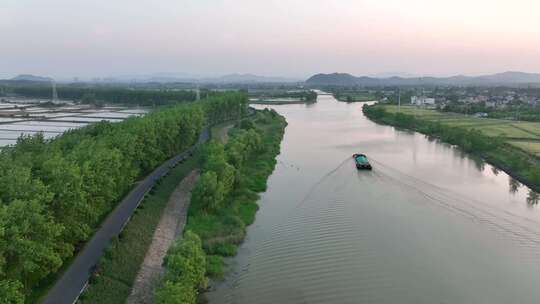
68	288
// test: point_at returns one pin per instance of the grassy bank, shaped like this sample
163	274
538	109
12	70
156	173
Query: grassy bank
223	204
119	266
222	230
491	140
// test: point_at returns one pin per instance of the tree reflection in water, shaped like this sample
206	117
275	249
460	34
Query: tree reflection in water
532	198
514	185
479	163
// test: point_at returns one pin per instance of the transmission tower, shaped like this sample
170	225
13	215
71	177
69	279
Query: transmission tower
54	93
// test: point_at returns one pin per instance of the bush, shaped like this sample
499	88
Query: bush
208	193
215	266
176	293
185	271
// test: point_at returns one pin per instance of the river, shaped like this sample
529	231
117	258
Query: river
427	225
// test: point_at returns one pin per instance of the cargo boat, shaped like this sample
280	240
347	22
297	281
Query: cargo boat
362	162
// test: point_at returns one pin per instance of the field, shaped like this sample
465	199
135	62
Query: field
523	135
28	116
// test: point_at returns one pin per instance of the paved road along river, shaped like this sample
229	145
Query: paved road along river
427	225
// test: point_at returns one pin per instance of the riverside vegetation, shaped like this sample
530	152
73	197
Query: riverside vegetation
54	193
495	149
223	203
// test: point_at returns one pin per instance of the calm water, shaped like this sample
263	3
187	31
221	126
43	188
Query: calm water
427	225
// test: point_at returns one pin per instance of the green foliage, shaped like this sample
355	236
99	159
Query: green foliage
215	266
246	124
54	193
185	274
208	193
186	261
224	249
99	94
219	218
30	249
11	292
116	272
252	155
176	293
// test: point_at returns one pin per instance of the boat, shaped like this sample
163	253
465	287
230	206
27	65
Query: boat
362	162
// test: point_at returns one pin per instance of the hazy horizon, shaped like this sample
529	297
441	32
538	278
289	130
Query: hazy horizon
292	39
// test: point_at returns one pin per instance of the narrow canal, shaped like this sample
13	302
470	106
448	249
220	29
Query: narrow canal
427	225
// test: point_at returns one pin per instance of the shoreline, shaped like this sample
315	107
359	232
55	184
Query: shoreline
482	156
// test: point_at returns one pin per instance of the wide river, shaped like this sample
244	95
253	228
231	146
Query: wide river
427	225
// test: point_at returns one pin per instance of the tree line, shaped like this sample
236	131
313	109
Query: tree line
304	95
109	94
515	111
54	193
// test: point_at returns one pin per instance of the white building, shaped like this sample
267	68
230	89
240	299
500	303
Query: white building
491	104
422	100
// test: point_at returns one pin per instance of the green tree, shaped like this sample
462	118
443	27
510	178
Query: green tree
32	248
186	261
11	292
208	193
176	293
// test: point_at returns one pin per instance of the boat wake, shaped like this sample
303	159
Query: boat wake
519	229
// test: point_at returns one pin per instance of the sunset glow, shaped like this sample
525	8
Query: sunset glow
291	38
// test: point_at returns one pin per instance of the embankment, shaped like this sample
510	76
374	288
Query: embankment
223	204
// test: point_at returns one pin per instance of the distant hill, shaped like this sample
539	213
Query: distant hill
248	78
332	79
187	78
506	78
512	77
28	77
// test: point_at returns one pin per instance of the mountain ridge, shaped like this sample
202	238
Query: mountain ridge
504	78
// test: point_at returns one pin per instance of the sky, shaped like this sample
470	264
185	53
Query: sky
290	38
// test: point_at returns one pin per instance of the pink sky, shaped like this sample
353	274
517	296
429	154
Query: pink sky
291	38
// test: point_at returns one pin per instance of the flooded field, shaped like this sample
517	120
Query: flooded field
29	116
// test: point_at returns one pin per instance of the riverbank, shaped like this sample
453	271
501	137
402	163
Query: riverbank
495	149
223	203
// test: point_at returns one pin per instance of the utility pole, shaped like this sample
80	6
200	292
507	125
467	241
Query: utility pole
399	100
54	93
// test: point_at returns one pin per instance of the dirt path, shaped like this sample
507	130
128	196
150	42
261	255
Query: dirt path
170	226
221	132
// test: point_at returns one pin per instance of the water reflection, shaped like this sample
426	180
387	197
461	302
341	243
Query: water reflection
479	163
532	198
513	185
